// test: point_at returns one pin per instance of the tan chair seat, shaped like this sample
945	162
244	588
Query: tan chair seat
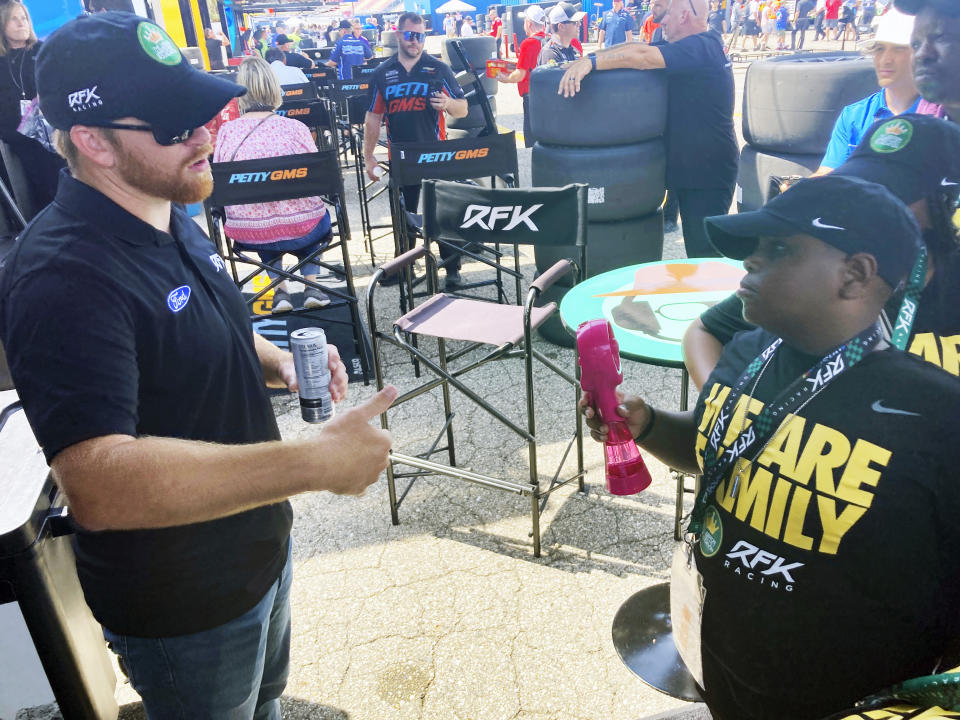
453	318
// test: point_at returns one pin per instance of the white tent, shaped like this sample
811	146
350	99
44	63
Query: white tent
453	6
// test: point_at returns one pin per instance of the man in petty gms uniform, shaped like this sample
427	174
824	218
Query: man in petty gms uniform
132	351
825	530
412	90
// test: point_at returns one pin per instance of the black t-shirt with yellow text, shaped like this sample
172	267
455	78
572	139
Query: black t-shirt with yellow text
834	571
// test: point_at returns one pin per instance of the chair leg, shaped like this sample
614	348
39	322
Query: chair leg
535	511
447	409
579	419
532	442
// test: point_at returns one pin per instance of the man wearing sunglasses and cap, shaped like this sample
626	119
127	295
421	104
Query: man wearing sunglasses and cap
132	352
820	566
936	54
563	45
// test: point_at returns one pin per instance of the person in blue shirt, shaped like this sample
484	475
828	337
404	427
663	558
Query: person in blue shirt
898	94
349	51
616	26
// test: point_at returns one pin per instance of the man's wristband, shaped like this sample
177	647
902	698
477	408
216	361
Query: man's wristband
593	61
649	428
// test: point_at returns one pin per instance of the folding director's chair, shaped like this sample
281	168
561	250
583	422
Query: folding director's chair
285	178
299	92
557	216
316	115
467	159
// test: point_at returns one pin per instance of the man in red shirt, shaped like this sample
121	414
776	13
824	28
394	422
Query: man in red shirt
496	28
534	25
832	18
657	10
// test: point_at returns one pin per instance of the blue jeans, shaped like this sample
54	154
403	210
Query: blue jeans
235	671
271	254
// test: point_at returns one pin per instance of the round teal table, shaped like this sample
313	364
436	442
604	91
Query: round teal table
650	307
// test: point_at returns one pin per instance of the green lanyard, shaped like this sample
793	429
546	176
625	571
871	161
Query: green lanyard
911	301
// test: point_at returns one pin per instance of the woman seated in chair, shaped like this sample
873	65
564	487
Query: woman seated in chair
271	229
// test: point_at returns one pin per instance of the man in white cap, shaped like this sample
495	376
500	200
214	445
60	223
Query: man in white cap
534	25
563	45
898	94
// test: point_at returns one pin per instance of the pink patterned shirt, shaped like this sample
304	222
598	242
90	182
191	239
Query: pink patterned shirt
928	108
269	221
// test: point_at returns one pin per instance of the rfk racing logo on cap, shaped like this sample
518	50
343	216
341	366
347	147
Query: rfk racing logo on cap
85	99
157	44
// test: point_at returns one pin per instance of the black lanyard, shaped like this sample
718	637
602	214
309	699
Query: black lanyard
752	440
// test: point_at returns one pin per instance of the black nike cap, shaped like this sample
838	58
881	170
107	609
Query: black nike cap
850	214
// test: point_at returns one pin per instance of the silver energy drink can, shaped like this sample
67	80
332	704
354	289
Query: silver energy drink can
309	348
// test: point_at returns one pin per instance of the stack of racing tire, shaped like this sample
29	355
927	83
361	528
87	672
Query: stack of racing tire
610	136
478	50
790	105
389	43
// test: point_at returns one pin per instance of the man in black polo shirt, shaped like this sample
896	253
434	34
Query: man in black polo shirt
132	352
413	90
702	151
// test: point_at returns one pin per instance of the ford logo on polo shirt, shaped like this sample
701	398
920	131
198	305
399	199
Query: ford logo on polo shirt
178	298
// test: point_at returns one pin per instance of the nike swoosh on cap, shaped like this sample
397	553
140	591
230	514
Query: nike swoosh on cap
948	183
818	224
879	407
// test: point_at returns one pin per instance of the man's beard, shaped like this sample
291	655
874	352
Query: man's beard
183	187
408	55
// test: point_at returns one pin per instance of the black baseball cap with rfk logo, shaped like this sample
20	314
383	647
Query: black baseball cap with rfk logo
102	67
850	214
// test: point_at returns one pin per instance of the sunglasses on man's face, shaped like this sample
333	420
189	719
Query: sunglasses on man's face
163	137
411	36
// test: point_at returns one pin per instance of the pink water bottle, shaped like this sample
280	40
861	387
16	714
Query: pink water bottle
600	375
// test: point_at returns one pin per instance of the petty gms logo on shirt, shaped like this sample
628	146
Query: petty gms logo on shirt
157	44
809	486
892	136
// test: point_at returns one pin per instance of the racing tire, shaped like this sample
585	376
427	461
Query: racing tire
474	117
791	103
389	42
756	168
609	246
613	107
626	181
